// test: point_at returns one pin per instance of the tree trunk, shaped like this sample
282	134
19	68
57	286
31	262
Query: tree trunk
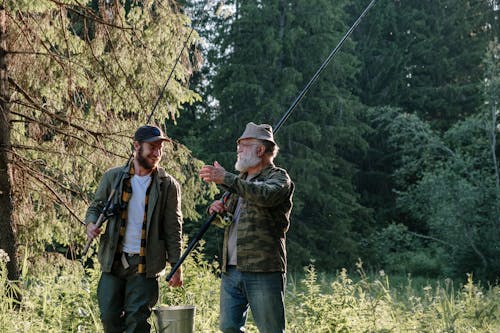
7	237
491	93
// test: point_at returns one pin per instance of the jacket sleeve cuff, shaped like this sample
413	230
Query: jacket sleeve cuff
229	180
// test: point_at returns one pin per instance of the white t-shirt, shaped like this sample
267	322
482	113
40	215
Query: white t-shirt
136	211
232	241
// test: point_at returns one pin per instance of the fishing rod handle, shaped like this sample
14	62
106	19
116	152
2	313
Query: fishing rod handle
191	246
99	222
196	239
89	240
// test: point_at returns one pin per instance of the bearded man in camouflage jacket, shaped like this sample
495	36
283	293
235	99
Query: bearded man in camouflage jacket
254	250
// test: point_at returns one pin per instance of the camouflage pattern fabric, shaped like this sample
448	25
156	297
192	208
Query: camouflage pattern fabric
264	219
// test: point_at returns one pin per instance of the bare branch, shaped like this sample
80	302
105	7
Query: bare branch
58	130
39	148
40	178
37	106
87	13
127	79
431	238
103	69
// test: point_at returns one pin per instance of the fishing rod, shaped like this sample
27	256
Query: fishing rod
108	209
292	107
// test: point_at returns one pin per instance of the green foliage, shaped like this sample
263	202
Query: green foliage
398	251
57	296
262	57
449	186
446	192
426	57
84	75
28	5
60	296
201	288
371	304
96	70
422	160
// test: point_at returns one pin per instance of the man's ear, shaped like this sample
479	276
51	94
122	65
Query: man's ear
136	145
261	150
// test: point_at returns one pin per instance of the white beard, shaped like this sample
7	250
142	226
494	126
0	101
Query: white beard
244	162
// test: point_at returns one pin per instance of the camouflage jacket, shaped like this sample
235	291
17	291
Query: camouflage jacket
264	219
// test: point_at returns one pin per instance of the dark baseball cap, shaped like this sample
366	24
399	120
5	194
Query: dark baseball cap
149	133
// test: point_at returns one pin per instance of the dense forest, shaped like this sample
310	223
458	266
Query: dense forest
393	150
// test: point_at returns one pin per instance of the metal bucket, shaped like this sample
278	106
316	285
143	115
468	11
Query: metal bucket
174	319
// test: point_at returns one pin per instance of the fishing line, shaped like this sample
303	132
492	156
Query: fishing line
107	211
301	95
320	69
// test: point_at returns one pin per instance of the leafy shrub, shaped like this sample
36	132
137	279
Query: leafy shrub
62	298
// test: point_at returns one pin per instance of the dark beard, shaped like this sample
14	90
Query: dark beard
142	161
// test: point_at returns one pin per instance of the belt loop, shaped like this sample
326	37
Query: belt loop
124	261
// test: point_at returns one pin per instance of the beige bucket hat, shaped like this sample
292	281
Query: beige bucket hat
261	132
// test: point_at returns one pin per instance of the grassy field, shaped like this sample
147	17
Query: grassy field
60	296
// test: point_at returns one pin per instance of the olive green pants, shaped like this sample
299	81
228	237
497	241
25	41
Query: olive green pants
126	298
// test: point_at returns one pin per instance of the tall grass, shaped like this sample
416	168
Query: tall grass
371	304
60	296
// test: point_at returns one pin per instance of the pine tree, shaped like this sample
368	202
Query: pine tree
7	231
269	52
423	58
82	77
426	57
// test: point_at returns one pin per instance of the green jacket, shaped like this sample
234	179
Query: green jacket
164	220
264	219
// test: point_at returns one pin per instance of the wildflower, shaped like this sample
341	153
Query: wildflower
82	312
4	257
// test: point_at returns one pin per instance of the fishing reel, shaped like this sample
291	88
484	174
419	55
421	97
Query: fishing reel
113	209
223	220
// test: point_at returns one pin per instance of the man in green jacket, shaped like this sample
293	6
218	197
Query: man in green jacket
254	251
144	233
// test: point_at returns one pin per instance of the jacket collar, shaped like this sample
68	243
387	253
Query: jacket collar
263	172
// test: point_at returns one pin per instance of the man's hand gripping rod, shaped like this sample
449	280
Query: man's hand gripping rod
104	213
297	100
100	220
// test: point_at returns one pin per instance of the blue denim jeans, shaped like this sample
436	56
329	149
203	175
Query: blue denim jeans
126	298
262	293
